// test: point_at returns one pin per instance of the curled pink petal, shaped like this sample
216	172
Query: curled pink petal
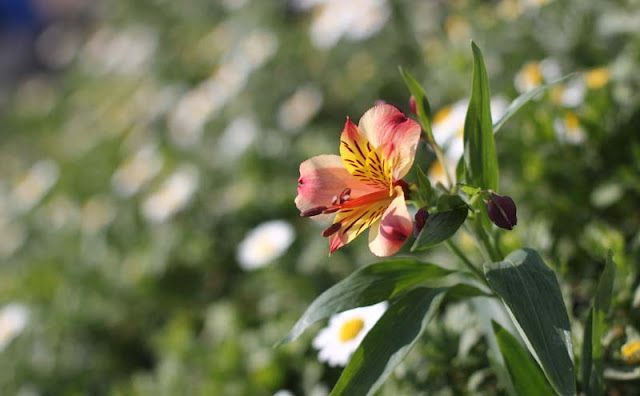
392	230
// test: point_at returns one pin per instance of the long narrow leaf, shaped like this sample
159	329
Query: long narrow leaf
592	352
481	161
531	291
366	286
525	374
388	342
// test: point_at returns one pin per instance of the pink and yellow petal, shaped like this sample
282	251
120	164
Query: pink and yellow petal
394	227
386	127
354	221
321	178
354	149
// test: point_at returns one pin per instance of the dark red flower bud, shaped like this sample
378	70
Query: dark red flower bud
502	211
412	105
421	219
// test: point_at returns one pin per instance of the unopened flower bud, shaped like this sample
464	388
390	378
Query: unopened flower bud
502	211
412	105
421	219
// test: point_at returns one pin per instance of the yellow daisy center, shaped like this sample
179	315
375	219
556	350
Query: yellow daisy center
597	78
350	329
631	352
532	74
572	122
442	114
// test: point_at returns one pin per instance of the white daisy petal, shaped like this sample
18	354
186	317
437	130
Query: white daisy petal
264	244
344	333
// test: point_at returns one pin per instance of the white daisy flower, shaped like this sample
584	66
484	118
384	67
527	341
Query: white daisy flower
13	319
264	244
568	128
345	332
574	92
529	77
172	196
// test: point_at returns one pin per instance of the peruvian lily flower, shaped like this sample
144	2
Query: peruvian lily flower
363	187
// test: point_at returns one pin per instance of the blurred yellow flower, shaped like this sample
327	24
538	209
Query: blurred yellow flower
631	352
597	78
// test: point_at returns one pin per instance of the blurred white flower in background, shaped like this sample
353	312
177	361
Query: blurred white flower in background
568	128
355	19
13	319
123	51
13	237
299	108
346	330
34	185
283	392
573	93
528	77
97	213
264	244
136	171
204	102
173	194
237	137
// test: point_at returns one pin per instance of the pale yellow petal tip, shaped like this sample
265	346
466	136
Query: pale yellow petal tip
631	352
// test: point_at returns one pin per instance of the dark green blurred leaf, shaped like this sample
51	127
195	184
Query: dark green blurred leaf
388	342
523	99
592	352
531	291
424	186
369	285
439	227
525	374
481	161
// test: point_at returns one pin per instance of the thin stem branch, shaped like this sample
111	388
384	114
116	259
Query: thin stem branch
455	249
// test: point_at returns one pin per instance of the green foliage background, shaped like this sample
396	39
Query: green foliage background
120	305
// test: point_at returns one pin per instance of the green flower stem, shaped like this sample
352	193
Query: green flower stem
494	254
455	249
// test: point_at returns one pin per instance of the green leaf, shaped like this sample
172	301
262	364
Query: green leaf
388	342
366	286
525	374
531	291
422	103
464	290
592	351
481	161
439	227
523	99
424	186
